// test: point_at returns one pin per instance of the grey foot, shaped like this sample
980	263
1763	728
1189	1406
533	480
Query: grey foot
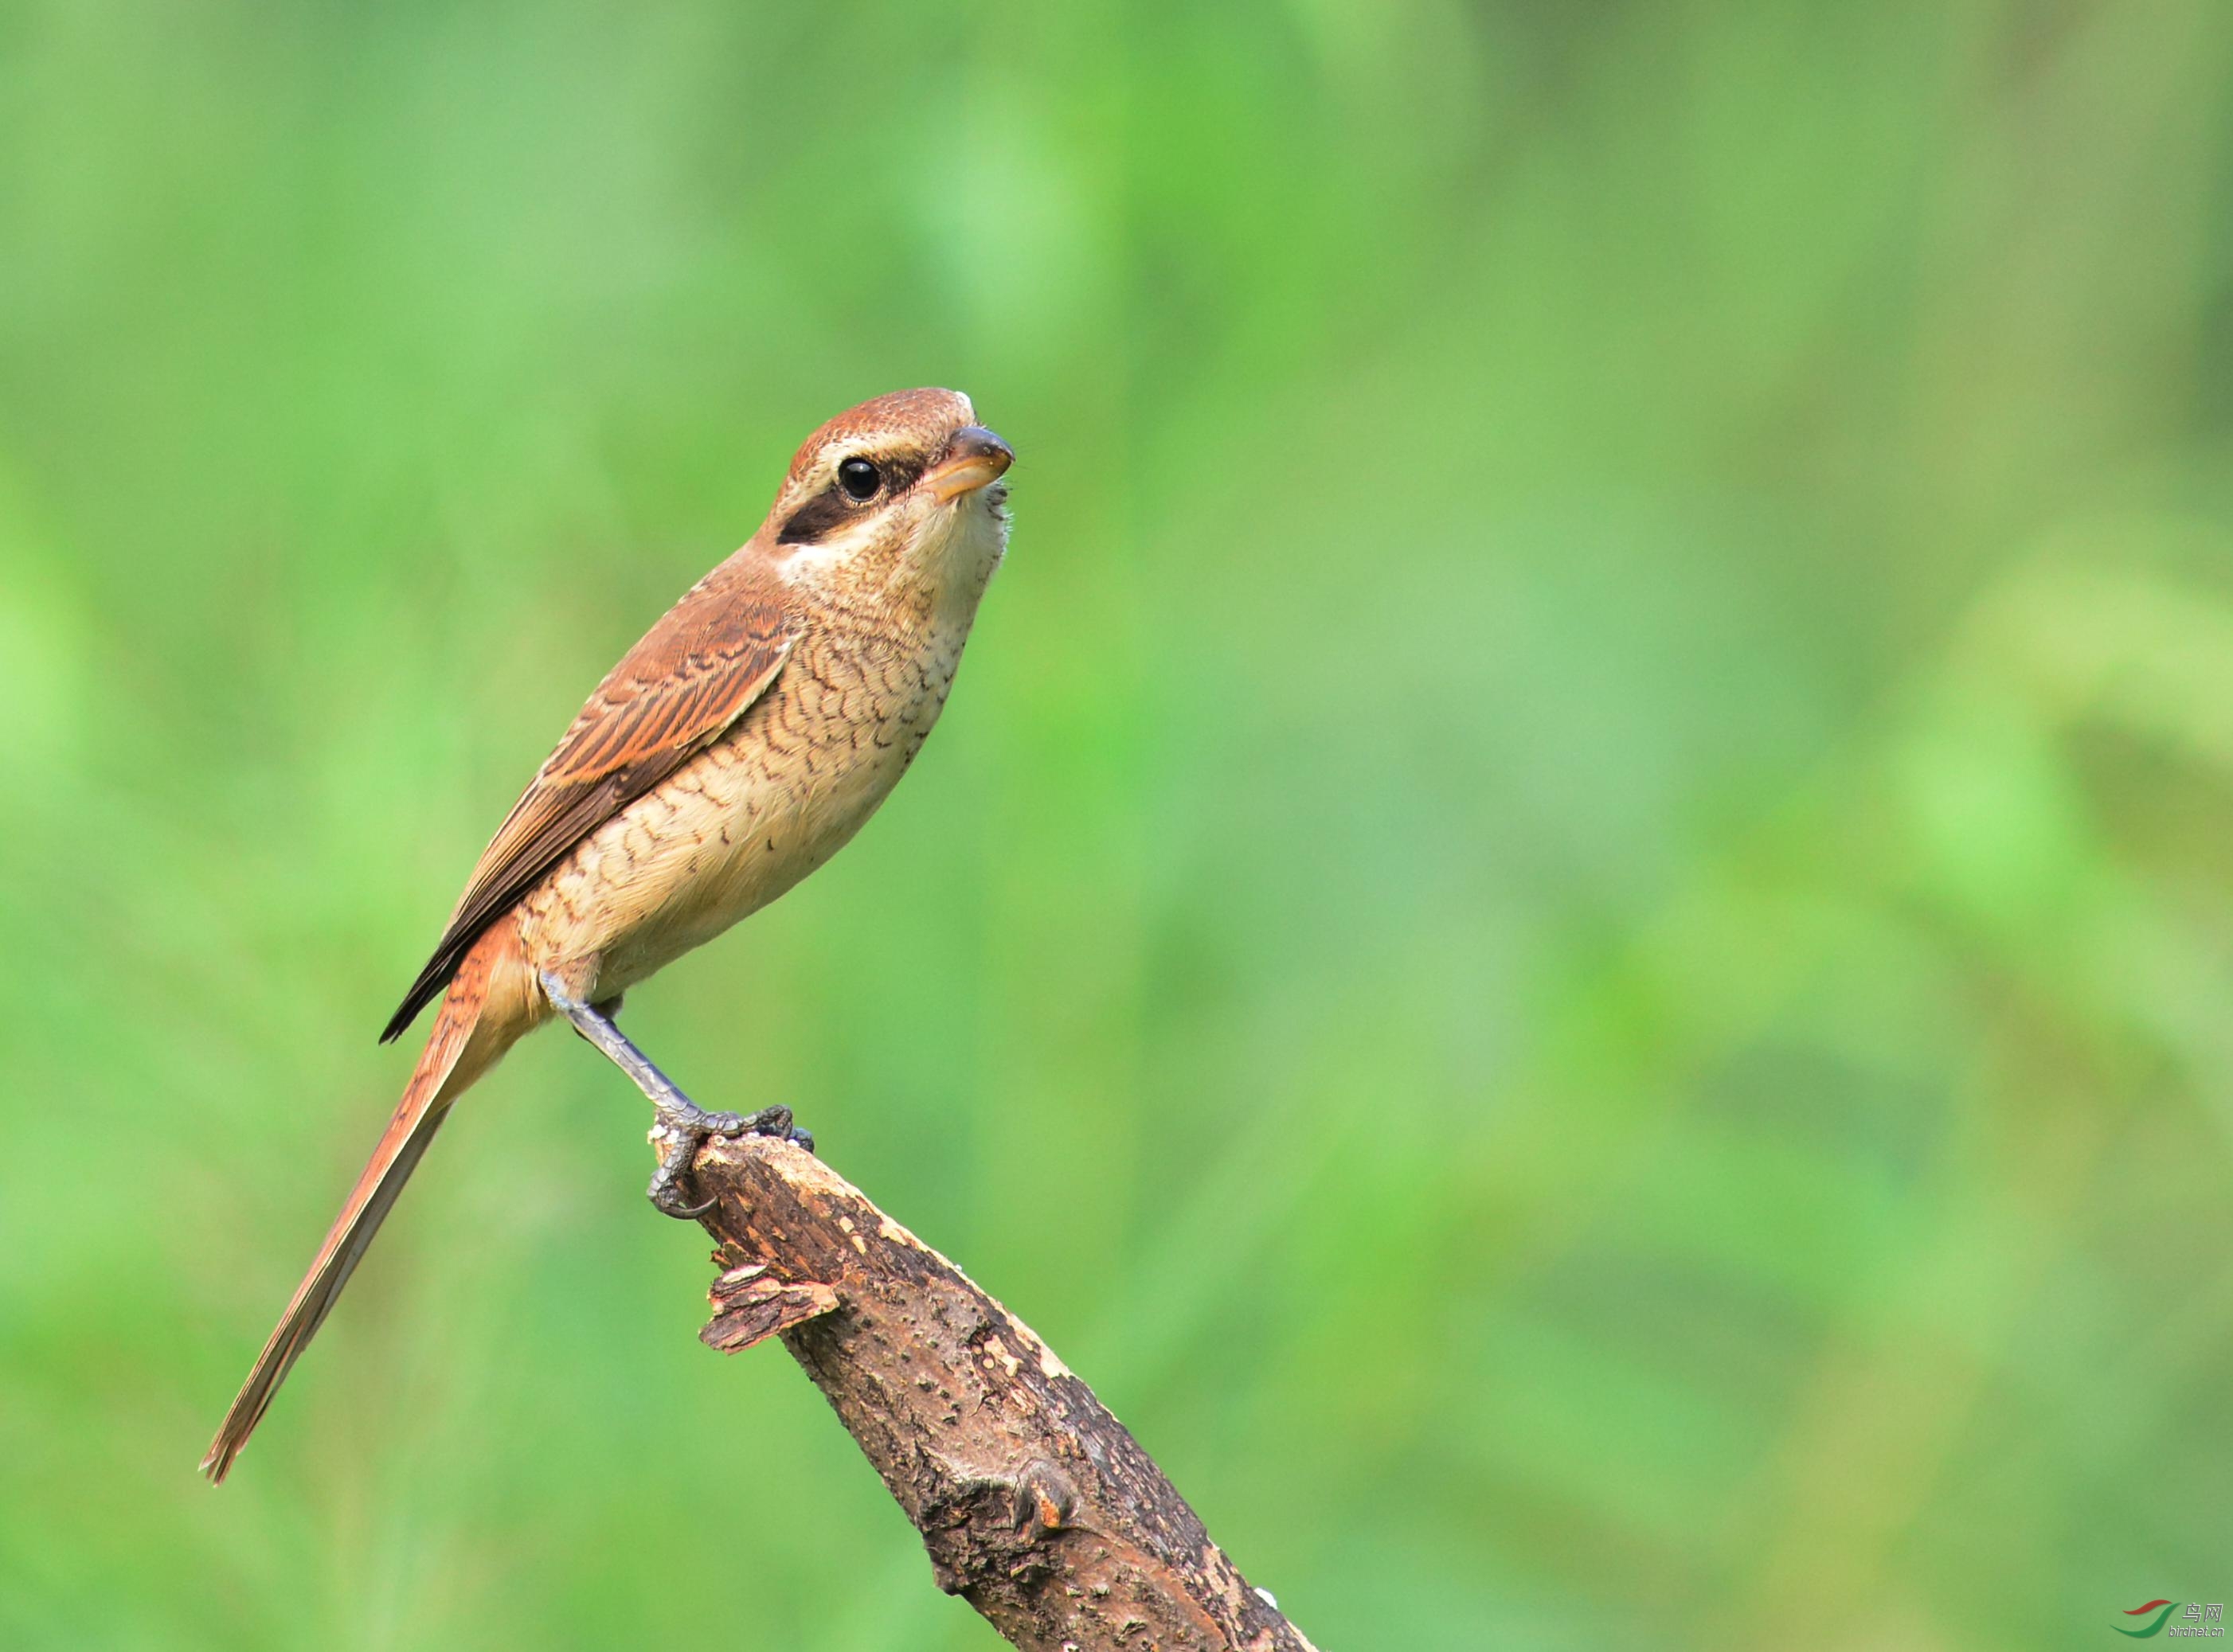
682	1130
683	1125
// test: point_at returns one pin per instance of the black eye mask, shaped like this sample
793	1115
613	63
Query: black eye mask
833	507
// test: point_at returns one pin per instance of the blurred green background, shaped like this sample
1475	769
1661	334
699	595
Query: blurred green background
1572	927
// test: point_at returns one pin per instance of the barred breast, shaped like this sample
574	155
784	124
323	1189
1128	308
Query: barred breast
784	789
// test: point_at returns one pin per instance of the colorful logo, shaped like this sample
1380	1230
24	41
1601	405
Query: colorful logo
2201	1621
2162	1608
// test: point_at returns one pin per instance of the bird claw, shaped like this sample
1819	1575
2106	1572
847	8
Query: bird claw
667	1197
681	1133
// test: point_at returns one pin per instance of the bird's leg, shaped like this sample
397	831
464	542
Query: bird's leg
683	1125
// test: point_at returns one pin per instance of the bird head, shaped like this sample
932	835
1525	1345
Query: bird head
902	491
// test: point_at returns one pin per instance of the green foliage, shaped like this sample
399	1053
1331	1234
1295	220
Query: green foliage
1573	928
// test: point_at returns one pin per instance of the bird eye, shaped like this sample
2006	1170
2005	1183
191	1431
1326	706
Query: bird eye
859	478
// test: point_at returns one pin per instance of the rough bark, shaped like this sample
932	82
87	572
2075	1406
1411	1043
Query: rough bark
1036	1505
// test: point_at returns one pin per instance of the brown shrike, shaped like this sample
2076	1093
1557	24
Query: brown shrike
731	751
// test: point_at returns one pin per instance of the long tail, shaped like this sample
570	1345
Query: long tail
462	1046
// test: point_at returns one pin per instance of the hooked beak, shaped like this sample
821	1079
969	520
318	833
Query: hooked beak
974	457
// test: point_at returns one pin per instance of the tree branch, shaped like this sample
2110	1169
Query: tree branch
1038	1508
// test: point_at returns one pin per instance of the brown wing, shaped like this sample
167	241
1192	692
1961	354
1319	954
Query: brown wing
694	675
